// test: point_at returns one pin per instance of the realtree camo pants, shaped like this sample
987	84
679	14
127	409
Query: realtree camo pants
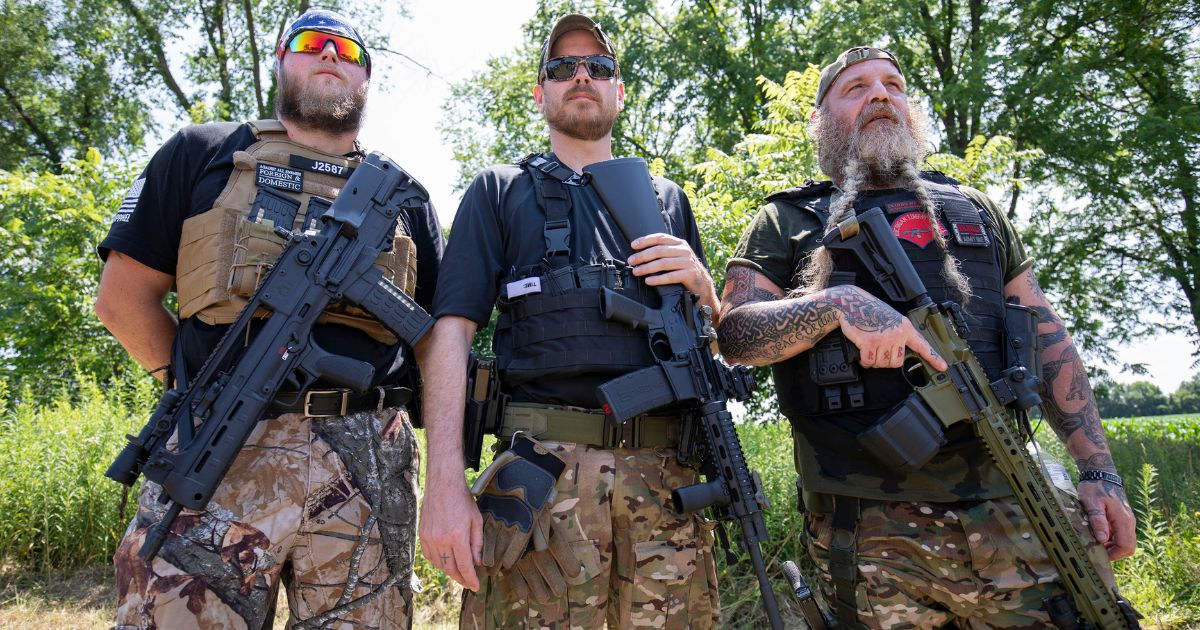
326	504
925	565
644	566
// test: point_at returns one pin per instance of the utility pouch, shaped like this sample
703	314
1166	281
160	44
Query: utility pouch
484	410
1018	384
907	437
832	366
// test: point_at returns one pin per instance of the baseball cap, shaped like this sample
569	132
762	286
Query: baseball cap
858	54
574	22
325	21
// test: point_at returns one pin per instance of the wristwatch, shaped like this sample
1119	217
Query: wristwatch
1101	475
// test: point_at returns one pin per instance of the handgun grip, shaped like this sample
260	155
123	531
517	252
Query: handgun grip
618	308
337	369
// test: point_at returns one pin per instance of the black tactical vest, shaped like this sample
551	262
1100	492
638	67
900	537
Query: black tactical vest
550	321
830	399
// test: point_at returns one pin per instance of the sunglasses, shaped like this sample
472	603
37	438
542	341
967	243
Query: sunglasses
599	67
314	42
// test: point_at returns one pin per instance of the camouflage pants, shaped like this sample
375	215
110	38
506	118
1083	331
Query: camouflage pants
328	505
644	566
926	565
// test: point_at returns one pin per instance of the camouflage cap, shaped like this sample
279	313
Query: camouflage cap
858	54
574	22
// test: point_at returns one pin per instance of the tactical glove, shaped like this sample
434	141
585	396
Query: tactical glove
543	571
514	495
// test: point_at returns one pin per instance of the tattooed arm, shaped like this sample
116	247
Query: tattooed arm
1070	408
759	326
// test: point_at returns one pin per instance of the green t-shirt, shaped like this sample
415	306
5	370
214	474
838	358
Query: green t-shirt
781	236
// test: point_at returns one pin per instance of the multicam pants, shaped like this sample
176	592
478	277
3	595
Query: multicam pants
328	505
643	564
926	565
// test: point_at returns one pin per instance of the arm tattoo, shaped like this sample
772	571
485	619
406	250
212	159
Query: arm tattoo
740	288
1065	373
768	332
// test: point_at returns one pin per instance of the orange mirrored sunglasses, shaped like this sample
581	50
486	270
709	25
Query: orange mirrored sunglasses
314	42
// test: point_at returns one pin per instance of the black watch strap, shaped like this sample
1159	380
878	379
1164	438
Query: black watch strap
1101	475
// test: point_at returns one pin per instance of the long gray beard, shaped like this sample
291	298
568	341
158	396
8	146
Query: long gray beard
816	273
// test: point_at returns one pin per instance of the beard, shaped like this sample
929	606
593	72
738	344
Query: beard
882	148
336	111
590	124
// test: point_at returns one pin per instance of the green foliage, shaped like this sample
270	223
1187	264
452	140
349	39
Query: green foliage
59	510
49	227
1160	579
63	93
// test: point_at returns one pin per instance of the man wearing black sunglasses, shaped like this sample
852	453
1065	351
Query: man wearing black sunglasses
603	544
323	494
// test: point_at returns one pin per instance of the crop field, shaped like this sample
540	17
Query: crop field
62	518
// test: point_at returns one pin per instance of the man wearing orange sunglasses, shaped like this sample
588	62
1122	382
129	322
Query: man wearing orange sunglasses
323	495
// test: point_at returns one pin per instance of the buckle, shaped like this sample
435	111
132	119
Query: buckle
308	395
547	166
557	233
626	435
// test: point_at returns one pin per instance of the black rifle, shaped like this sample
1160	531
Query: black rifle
217	411
685	373
963	394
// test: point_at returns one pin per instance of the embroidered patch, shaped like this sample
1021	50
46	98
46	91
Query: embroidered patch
320	166
970	234
914	227
130	201
902	206
280	177
524	286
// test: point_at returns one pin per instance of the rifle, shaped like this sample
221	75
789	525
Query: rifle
963	394
216	412
680	334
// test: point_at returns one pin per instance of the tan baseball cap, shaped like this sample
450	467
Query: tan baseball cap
574	22
858	54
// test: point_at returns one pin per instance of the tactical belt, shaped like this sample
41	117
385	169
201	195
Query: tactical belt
330	403
585	426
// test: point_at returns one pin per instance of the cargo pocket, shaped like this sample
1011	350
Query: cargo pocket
662	589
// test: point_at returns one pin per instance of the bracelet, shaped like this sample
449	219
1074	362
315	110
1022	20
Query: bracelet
1101	475
158	369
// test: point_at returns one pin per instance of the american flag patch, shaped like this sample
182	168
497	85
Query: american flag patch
130	201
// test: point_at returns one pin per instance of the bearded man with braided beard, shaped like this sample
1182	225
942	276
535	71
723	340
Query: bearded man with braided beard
946	544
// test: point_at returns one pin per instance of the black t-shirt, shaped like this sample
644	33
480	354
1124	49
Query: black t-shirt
499	229
182	180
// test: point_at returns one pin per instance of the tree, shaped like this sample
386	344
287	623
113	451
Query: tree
91	71
1186	399
49	226
62	91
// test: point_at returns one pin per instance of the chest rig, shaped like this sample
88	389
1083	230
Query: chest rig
550	322
225	252
827	379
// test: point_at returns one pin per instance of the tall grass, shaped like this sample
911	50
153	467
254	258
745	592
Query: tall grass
58	508
58	511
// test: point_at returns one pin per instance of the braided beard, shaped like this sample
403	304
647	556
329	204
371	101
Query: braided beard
882	154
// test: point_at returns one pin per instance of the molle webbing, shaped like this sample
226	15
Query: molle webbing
225	252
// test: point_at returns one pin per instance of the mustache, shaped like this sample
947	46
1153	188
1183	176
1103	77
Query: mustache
875	111
582	89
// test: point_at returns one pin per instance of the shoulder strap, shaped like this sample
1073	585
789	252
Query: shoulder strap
812	196
550	181
266	126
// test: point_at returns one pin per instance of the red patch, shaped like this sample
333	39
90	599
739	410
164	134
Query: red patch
901	206
914	227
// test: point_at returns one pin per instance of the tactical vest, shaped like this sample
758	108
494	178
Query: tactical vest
225	252
823	388
550	321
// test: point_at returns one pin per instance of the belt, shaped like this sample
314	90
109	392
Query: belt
330	403
587	426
